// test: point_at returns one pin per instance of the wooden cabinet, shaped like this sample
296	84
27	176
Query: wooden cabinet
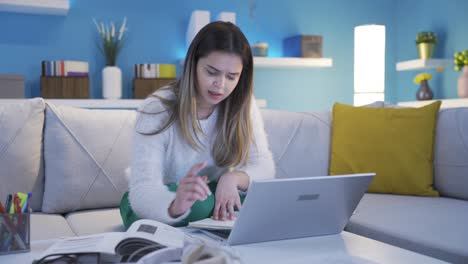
144	87
65	87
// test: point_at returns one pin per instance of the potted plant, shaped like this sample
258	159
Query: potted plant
426	41
110	44
424	92
460	61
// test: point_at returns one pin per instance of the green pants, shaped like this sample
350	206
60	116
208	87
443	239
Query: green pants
199	210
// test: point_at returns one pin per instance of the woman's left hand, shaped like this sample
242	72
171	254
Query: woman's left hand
226	197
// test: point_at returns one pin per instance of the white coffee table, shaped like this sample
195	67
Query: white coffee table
37	247
343	248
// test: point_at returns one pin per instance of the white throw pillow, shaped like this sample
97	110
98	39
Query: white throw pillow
86	153
299	142
20	149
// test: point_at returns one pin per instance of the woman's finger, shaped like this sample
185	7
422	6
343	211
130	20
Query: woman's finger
193	187
195	196
238	204
202	182
230	209
199	182
193	171
198	188
222	211
216	210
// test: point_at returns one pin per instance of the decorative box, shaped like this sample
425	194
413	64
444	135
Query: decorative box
65	87
11	86
260	49
142	87
309	46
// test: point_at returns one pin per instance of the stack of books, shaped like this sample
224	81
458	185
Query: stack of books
63	68
151	71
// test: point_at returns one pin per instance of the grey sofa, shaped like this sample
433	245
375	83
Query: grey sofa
74	161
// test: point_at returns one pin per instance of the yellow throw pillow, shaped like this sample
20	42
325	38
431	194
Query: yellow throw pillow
395	143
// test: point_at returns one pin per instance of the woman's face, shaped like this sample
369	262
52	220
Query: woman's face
217	76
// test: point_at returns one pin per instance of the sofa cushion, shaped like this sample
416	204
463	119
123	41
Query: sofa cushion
300	142
428	225
451	153
396	144
382	104
95	221
86	153
21	167
49	226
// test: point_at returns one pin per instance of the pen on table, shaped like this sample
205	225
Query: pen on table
11	208
23	197
3	234
17	204
26	204
8	202
18	210
23	222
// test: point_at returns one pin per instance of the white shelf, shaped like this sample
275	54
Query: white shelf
103	103
292	62
46	7
446	103
420	64
267	62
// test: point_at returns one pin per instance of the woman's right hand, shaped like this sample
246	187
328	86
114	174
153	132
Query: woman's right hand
191	188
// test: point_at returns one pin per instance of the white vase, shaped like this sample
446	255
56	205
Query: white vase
111	82
463	83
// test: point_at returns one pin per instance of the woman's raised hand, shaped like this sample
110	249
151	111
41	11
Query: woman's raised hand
191	188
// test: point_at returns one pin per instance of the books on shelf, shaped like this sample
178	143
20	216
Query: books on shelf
65	68
152	70
119	246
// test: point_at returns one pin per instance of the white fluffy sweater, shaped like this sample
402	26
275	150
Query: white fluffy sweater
167	157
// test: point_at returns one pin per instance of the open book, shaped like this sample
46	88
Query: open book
211	224
214	229
142	237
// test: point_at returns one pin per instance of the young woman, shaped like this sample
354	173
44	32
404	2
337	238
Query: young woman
201	135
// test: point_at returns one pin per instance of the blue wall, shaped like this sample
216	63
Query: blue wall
312	89
448	19
157	34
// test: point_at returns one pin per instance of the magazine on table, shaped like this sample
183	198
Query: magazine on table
142	237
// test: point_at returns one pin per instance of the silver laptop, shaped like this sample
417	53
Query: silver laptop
298	207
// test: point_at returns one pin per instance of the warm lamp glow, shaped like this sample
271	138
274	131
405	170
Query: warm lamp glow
369	63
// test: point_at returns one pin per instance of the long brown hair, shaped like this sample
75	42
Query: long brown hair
234	129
